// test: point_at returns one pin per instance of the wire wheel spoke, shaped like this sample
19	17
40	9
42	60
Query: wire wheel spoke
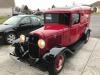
59	62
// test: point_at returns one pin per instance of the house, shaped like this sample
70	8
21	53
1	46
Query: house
6	7
96	6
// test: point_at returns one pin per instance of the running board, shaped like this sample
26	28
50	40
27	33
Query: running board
70	51
77	46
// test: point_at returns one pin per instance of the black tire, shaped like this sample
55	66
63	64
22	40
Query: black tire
53	62
10	37
87	36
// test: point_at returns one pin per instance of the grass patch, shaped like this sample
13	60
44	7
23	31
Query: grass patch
95	13
3	18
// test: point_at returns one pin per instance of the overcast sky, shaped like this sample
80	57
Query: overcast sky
44	4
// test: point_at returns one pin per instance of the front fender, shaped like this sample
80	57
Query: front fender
54	52
9	30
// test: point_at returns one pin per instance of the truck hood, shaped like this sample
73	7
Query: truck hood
4	27
49	30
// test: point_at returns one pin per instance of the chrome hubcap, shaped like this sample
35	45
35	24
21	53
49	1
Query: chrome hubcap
11	38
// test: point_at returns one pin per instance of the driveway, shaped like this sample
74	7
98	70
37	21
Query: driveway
95	26
86	60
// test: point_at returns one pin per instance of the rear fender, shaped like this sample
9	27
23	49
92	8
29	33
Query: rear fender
87	30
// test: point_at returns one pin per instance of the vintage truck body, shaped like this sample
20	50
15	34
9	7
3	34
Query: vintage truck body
62	28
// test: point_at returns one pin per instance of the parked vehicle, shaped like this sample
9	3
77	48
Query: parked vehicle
16	25
62	28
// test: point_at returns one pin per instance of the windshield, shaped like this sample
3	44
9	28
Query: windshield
51	18
62	18
12	21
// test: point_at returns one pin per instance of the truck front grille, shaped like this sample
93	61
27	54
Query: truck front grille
33	46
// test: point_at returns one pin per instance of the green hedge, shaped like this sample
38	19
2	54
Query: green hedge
3	18
95	13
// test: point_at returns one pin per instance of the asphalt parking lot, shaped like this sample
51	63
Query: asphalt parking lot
86	60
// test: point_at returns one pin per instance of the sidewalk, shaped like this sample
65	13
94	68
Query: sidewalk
86	61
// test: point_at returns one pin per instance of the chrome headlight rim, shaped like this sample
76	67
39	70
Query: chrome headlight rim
22	38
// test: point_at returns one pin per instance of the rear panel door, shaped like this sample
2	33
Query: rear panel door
74	28
84	23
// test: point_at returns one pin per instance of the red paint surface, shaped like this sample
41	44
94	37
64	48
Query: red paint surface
56	34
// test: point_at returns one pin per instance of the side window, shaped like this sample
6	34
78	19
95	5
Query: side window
64	18
75	18
35	20
51	18
25	20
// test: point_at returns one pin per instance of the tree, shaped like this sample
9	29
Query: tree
95	9
38	9
53	6
25	9
17	9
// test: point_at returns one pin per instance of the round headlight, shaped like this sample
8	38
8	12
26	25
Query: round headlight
22	38
41	43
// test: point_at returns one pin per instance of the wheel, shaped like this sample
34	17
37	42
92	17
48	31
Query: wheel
55	64
10	37
59	62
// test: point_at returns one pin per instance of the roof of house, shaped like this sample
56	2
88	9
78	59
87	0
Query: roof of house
97	3
7	3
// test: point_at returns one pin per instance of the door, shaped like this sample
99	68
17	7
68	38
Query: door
74	28
83	23
64	19
25	25
36	23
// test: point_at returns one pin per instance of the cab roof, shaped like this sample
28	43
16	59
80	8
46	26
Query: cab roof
24	15
70	9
